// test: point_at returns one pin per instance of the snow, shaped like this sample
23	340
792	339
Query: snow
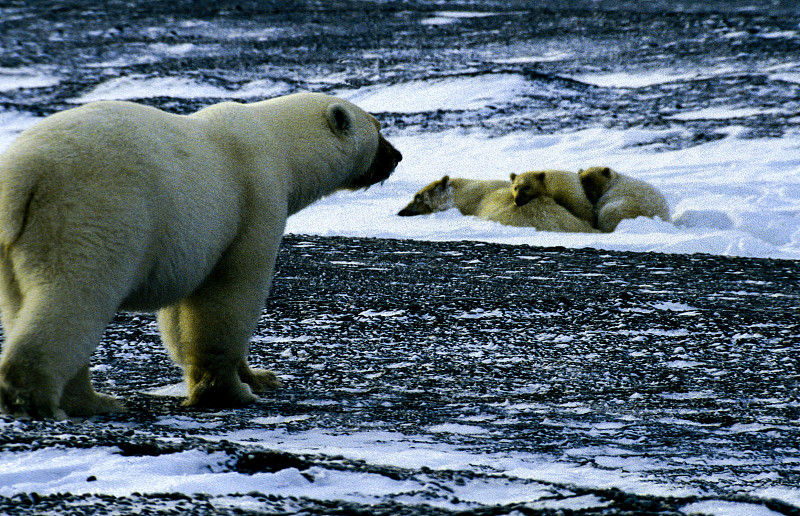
435	94
448	17
26	77
733	196
738	197
632	80
722	508
725	113
133	87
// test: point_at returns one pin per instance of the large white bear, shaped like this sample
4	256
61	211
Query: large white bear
114	205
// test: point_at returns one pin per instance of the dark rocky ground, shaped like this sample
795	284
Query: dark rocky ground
691	361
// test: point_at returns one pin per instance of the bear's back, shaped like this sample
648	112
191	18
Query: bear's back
642	198
542	213
566	188
468	194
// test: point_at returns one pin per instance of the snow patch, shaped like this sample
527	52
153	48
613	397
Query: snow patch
440	94
26	77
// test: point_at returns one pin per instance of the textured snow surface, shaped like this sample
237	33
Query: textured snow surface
446	371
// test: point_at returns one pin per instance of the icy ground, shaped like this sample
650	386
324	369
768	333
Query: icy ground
442	372
424	378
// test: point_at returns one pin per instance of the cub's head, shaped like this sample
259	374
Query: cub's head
596	181
437	196
349	122
528	186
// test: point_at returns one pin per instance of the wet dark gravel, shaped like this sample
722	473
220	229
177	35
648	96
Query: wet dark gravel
690	361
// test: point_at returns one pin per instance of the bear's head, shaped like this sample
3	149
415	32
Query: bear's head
330	143
528	186
343	120
437	196
596	181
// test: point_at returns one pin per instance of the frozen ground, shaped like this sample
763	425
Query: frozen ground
434	374
432	378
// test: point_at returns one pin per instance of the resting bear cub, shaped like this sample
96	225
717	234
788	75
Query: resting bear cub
542	213
493	200
115	205
616	197
563	186
456	192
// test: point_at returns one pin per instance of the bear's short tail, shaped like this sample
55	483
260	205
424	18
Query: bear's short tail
17	192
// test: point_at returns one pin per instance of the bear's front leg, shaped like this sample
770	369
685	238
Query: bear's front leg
216	387
204	343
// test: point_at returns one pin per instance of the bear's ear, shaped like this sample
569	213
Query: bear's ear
540	176
513	176
606	171
339	119
444	180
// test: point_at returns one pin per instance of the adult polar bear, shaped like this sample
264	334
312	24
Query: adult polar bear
114	205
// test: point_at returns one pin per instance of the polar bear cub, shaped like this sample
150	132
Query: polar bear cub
493	200
115	205
563	186
456	192
542	213
617	197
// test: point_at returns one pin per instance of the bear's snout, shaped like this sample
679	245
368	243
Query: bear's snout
384	163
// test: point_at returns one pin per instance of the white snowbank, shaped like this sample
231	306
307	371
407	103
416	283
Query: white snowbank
27	77
141	87
432	95
733	196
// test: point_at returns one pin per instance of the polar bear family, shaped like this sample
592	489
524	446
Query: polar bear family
595	199
117	206
114	205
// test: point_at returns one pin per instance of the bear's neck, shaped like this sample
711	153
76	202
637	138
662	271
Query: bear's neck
309	185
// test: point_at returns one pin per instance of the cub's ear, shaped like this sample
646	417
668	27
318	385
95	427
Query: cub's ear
339	119
513	176
606	171
444	180
540	177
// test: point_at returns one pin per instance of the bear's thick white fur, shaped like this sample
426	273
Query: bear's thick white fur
114	205
456	192
563	186
617	197
542	213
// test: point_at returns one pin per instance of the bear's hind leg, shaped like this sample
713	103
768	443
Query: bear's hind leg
613	213
47	345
